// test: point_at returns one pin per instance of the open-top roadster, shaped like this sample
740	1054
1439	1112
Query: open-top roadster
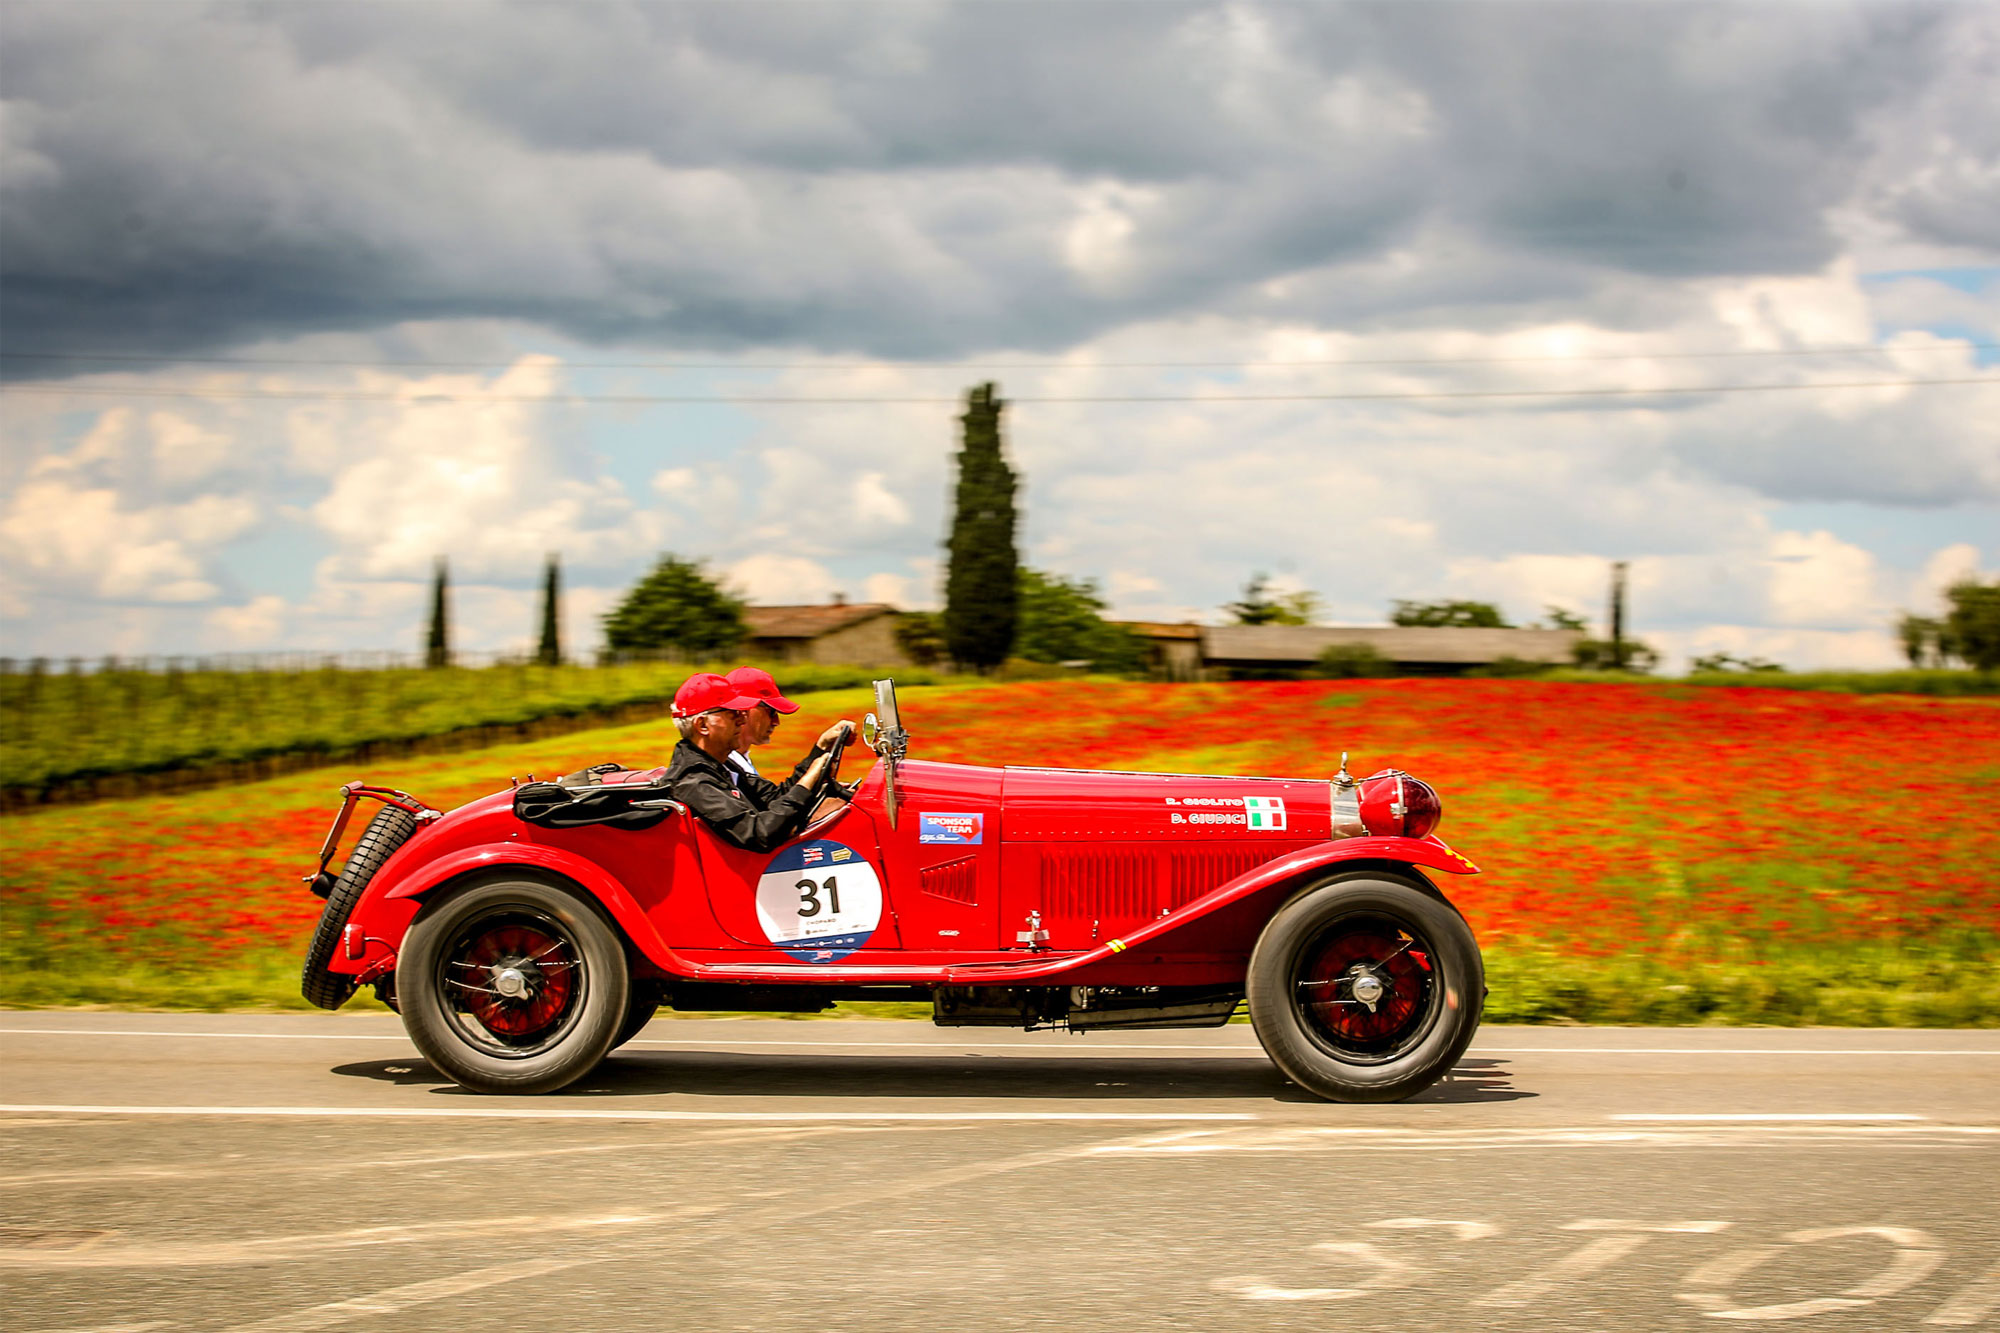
526	935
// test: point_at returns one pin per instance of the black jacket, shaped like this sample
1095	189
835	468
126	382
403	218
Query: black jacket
761	790
715	791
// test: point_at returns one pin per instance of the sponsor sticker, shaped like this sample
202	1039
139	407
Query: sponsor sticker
950	827
818	901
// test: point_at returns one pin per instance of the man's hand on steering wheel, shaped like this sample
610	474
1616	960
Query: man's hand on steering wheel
834	739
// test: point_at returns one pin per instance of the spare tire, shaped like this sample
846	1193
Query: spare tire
390	829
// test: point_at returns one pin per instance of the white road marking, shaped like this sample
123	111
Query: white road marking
1268	1138
783	1213
1390	1273
1972	1302
1098	1044
1463	1230
268	1249
578	1113
1773	1117
396	1299
1599	1254
1915	1258
330	1167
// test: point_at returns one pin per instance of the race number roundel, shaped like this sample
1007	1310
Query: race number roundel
819	901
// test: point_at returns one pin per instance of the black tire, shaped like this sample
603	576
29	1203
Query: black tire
640	1007
390	829
1319	1028
452	985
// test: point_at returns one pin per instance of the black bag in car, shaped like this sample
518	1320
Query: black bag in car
601	794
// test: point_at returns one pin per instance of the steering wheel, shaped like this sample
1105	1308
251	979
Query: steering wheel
833	756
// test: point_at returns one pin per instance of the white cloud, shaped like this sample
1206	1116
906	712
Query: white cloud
1951	564
875	505
184	452
1818	580
261	624
473	470
780	580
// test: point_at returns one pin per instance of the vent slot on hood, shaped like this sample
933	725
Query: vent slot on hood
1099	882
1193	871
954	881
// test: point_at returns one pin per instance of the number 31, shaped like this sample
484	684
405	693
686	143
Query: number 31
809	897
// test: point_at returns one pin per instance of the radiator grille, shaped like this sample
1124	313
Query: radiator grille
953	880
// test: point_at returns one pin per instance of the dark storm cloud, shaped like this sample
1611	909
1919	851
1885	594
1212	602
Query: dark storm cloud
927	180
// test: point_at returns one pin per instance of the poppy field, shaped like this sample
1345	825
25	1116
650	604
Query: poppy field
1651	852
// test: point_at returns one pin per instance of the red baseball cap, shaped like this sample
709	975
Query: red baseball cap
705	690
757	682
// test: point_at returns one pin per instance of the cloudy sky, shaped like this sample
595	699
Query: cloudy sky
1390	300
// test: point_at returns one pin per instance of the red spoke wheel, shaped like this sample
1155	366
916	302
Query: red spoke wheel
1365	985
517	979
515	986
1366	988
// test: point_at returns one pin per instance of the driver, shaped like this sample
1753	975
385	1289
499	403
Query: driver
760	723
711	715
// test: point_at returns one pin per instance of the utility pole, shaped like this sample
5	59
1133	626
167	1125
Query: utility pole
1618	615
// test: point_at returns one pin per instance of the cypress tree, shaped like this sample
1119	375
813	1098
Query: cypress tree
550	652
981	586
437	647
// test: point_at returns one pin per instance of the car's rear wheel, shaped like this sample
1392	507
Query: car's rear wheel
390	829
514	986
1365	989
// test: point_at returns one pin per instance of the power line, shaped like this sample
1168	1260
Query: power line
960	367
754	400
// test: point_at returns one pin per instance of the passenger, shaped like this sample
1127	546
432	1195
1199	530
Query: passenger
758	725
710	713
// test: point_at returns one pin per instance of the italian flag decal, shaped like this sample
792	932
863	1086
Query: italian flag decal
1266	813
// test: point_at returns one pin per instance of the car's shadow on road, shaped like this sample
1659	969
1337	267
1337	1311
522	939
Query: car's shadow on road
946	1074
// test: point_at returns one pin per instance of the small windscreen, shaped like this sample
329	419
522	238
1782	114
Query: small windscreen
885	705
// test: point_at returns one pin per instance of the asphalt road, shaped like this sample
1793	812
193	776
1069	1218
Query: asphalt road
234	1172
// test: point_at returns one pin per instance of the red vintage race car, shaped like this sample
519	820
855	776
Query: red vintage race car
526	935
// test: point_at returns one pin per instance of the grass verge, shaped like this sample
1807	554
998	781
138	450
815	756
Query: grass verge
1874	987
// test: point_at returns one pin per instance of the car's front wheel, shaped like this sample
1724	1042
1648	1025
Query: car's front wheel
514	986
1365	988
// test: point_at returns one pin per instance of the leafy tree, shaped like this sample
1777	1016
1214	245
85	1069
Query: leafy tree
437	644
1062	620
1919	636
1561	617
980	586
676	608
1466	615
1972	625
1262	607
920	634
1728	662
1349	661
549	653
1601	655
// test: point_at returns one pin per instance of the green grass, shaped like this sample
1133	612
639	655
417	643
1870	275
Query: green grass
1863	987
64	728
1944	683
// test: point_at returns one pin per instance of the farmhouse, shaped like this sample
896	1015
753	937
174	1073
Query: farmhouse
850	633
1409	650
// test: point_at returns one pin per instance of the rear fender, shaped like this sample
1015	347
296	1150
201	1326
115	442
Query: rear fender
591	878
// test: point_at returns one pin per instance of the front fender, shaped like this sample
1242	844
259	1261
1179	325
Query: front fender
591	878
